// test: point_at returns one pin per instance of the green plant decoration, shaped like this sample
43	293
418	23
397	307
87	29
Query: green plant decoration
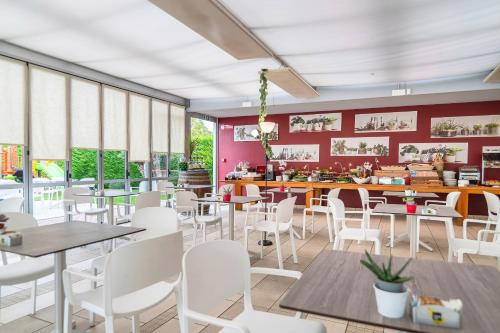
264	137
384	273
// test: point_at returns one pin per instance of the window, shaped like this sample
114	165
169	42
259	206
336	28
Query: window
114	119
177	129
138	128
48	115
160	126
85	123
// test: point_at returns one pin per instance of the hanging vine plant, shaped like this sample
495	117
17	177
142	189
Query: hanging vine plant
264	137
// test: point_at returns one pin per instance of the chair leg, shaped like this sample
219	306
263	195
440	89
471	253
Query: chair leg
195	231
93	285
392	226
460	257
336	243
418	235
204	230
341	244
304	221
312	221
221	231
292	243
329	225
278	251
136	324
68	323
33	297
109	325
245	234
450	253
261	245
377	246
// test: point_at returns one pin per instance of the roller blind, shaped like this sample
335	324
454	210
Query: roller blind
160	126
48	115
177	129
138	128
85	129
12	101
114	119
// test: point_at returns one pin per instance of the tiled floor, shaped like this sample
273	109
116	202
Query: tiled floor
267	290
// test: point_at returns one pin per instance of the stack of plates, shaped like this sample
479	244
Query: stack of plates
449	178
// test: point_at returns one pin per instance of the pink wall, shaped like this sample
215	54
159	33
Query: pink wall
233	152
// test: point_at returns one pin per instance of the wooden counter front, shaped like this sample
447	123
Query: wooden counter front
462	205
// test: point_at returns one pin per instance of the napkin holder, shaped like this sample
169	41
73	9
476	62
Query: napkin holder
443	314
12	238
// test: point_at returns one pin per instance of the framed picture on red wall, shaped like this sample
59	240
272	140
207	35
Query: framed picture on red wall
246	133
295	153
385	122
360	146
451	152
466	126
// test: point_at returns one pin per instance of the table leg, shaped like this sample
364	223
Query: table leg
111	211
412	220
231	221
60	265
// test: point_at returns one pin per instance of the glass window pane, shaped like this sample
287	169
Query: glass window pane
139	128
160	165
48	188
83	165
84	114
11	178
114	119
12	100
177	129
160	126
48	115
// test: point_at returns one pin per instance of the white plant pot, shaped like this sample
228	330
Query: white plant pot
309	127
296	127
328	127
374	179
391	305
284	178
450	158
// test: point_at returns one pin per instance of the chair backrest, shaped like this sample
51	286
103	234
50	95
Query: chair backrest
364	196
214	271
252	190
334	193
284	210
70	194
156	220
18	221
185	199
493	203
12	204
148	199
224	187
338	211
452	199
140	264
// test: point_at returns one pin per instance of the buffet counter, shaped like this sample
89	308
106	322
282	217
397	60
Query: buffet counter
462	205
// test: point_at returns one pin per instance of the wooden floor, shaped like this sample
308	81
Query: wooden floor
267	290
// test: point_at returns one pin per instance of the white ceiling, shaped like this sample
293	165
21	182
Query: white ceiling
331	43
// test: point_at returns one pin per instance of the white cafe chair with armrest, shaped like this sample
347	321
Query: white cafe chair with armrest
344	232
279	220
480	246
222	190
253	190
168	188
137	277
72	204
451	201
189	212
366	200
27	269
143	200
493	205
217	270
12	204
315	206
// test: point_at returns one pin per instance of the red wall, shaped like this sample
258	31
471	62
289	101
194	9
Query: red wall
233	152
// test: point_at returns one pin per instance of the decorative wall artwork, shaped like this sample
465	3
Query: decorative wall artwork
361	146
467	126
452	152
295	153
386	122
244	133
315	122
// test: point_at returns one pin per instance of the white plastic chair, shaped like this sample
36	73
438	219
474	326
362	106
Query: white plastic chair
219	194
493	207
71	203
12	204
366	200
137	277
480	245
169	190
143	200
320	208
27	269
189	212
215	271
253	190
344	232
451	201
279	220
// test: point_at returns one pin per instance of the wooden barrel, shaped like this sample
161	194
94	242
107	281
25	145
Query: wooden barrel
196	177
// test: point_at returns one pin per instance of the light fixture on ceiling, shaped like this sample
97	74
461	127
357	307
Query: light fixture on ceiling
215	23
291	82
267	126
494	76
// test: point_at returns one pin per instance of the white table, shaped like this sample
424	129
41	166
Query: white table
411	218
235	199
289	190
57	239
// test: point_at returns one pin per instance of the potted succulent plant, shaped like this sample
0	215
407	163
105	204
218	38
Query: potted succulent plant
226	196
491	128
451	154
329	123
309	125
297	123
390	293
476	129
318	124
411	207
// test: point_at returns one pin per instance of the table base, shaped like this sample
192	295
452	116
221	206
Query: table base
411	235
